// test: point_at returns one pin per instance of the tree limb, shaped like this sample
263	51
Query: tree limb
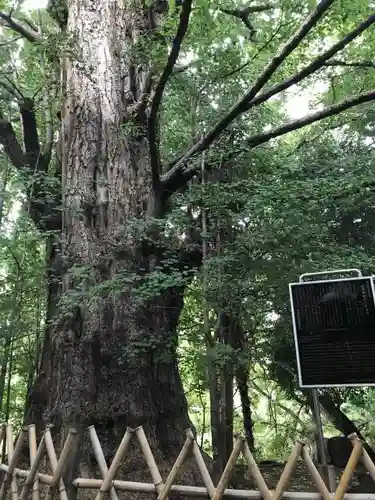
10	144
355	64
180	165
160	87
311	68
335	109
259	139
29	127
10	87
244	15
9	42
19	27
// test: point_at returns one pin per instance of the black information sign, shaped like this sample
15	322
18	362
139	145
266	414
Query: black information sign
334	328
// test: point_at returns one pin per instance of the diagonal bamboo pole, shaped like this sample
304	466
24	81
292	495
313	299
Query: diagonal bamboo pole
348	472
367	462
227	473
33	451
288	471
255	472
32	474
207	481
13	454
62	463
316	477
176	467
116	462
53	461
100	458
150	460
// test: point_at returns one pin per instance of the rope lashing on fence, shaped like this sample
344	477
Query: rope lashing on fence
108	485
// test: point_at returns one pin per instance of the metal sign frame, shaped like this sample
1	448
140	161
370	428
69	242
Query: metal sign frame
313	282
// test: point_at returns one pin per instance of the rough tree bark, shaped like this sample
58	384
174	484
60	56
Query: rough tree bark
112	361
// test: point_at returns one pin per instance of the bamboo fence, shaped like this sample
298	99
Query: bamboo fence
35	482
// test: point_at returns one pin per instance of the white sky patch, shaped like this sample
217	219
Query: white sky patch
34	4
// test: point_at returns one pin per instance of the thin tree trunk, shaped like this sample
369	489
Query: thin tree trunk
210	343
4	368
3	188
242	377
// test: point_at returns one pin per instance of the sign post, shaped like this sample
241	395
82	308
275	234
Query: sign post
333	325
327	471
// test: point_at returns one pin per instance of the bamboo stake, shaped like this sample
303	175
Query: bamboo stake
223	482
13	454
62	463
121	450
288	471
33	473
53	461
99	455
207	481
348	472
176	467
367	462
33	451
316	477
150	460
43	478
255	472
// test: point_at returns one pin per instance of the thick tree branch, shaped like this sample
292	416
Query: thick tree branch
259	139
29	127
174	181
10	87
42	210
335	109
311	68
180	165
160	87
10	144
21	27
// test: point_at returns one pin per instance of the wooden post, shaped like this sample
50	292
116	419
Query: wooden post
116	462
100	458
32	474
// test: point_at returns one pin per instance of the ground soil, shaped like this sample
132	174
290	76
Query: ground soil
300	480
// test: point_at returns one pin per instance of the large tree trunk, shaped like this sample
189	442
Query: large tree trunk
110	359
